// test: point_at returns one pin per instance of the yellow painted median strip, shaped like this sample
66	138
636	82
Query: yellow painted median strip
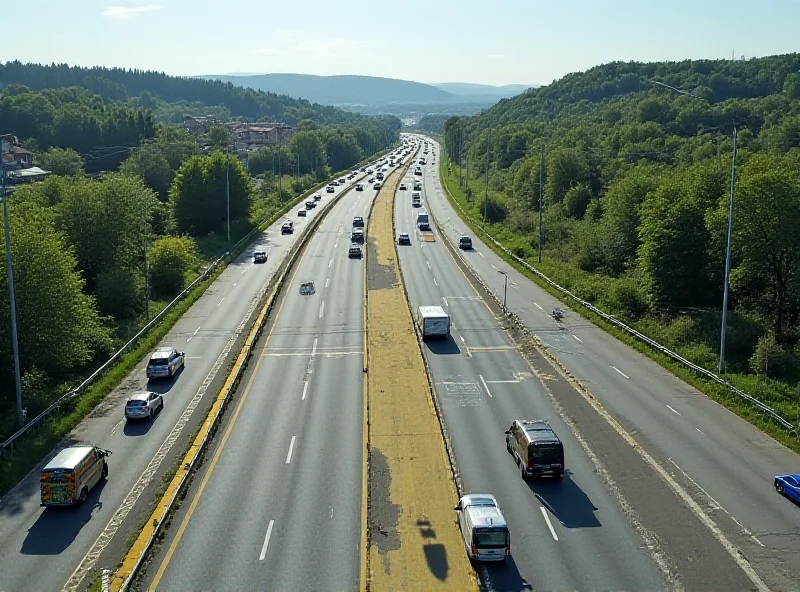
414	542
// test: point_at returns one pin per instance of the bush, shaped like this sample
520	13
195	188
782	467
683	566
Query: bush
772	359
120	292
627	298
170	259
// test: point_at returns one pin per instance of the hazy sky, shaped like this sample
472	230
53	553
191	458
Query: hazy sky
494	42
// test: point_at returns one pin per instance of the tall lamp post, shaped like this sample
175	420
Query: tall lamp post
505	288
726	287
12	299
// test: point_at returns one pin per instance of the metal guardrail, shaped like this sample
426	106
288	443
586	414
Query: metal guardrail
774	415
8	445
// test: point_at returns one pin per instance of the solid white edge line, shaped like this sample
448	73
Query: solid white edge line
486	386
537	306
305	390
549	524
621	372
291	447
266	541
673	410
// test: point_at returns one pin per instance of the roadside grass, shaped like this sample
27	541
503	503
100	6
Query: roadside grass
690	342
38	443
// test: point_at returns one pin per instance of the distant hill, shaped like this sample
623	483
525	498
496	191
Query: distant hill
342	90
470	89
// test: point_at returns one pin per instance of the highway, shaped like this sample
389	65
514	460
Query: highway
725	464
568	535
40	548
278	506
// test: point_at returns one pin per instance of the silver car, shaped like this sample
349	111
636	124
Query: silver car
165	362
144	405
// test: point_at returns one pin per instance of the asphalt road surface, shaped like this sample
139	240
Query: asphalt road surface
723	462
279	505
40	548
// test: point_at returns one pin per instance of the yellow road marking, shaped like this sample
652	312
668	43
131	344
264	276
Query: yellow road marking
195	500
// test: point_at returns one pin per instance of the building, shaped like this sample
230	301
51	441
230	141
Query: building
198	124
250	136
14	157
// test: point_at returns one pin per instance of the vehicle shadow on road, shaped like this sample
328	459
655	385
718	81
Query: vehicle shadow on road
56	528
443	347
139	427
435	553
503	576
566	501
164	385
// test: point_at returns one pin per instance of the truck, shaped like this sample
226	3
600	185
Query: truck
433	321
416	199
423	221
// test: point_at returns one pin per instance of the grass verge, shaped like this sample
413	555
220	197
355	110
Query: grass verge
782	397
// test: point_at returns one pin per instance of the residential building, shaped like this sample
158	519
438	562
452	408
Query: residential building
250	136
198	124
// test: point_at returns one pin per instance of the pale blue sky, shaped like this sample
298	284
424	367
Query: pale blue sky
494	42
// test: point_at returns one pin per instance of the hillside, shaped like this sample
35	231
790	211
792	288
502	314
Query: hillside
343	90
637	181
482	90
192	94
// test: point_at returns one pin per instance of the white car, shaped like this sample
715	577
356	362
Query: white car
165	362
143	405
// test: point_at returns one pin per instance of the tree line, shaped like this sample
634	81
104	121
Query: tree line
636	180
87	248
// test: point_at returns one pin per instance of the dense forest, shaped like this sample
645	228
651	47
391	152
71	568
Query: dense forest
86	247
636	176
121	85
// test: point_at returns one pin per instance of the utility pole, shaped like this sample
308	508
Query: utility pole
228	189
460	151
12	300
486	198
280	176
147	282
727	263
541	201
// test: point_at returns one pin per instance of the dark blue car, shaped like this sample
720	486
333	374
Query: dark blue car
788	485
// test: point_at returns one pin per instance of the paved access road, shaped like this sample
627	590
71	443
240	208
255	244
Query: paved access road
278	505
39	549
725	464
567	535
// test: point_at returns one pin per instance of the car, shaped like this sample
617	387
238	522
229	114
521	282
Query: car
376	186
465	243
359	187
402	187
260	257
418	172
363	169
287	227
371	180
310	205
417	186
165	362
342	180
317	196
403	239
788	485
330	189
354	251
357	236
143	405
370	171
301	213
358	222
483	527
307	288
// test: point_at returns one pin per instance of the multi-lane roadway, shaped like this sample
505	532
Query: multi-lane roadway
279	504
41	548
725	464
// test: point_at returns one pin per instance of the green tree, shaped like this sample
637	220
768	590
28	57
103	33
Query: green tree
170	259
577	199
60	161
149	164
198	195
308	146
219	136
566	167
343	151
59	327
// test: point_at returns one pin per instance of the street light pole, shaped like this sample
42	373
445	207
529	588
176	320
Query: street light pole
486	198
727	263
11	296
505	289
541	193
228	189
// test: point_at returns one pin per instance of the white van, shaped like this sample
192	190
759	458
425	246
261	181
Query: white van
433	321
483	528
